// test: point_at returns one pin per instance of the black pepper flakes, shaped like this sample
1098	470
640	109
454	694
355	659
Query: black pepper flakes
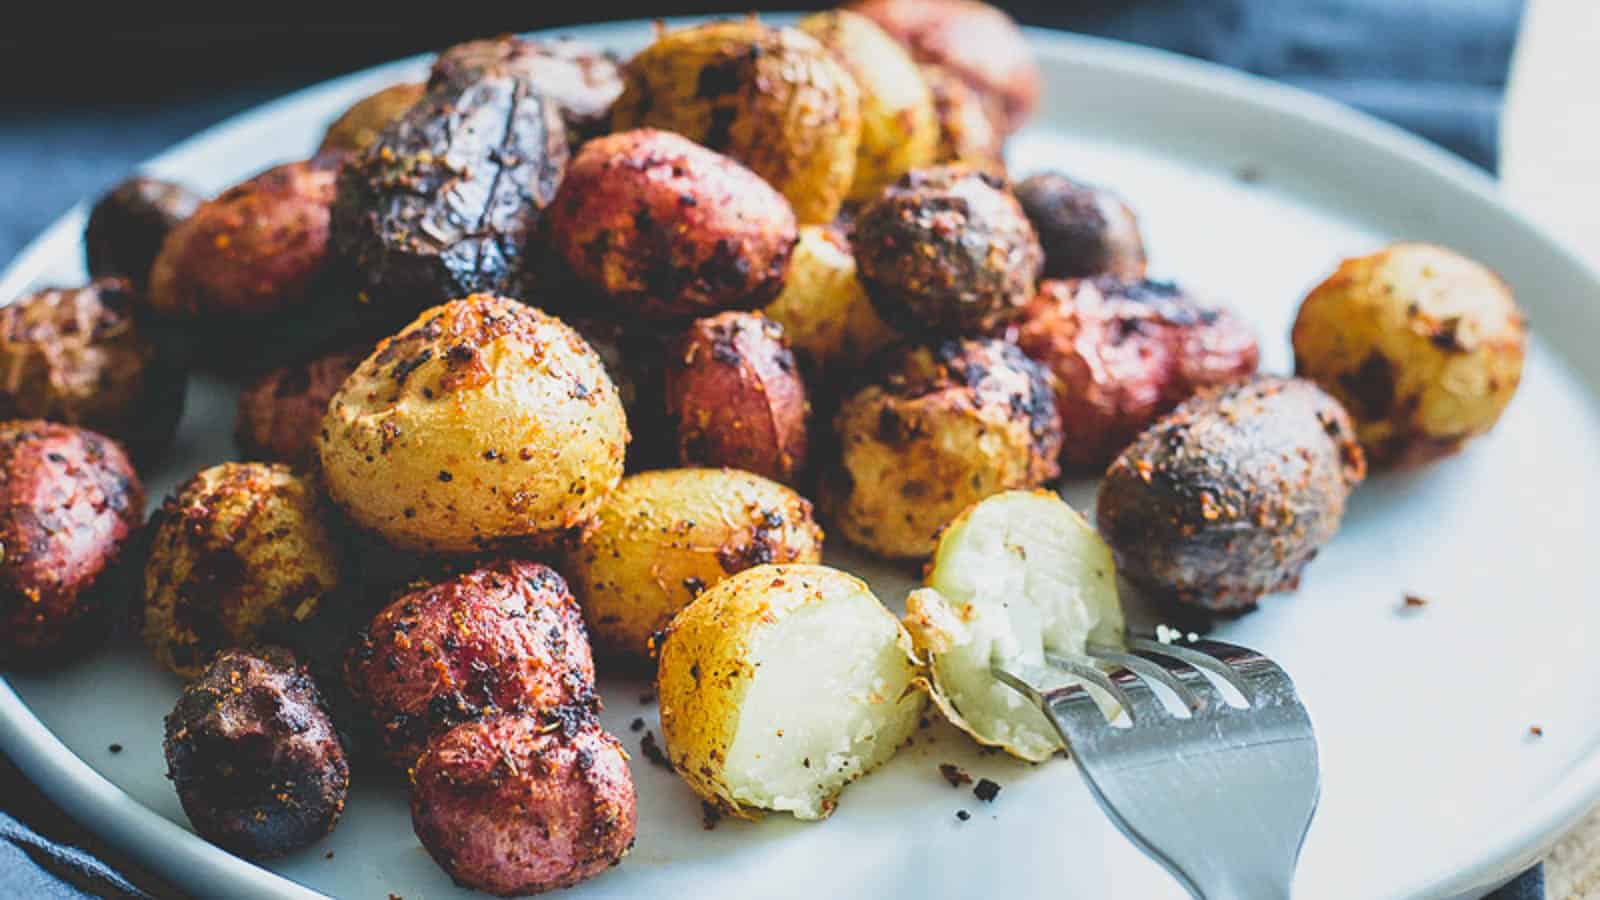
446	476
652	750
115	748
954	774
636	725
986	790
963	815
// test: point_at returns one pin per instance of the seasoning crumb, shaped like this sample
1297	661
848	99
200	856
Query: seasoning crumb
1248	173
986	790
328	855
954	774
115	748
709	815
1413	601
963	815
652	750
636	725
647	697
1535	731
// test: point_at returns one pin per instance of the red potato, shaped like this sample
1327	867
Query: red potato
279	413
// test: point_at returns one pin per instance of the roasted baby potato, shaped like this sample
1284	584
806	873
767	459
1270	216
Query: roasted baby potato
667	229
517	805
128	224
258	765
483	424
280	412
780	686
666	536
240	549
357	127
69	503
503	637
1124	353
947	251
1084	230
977	41
581	80
772	98
736	398
823	309
1423	346
444	202
77	356
946	427
1231	494
1016	576
899	128
966	135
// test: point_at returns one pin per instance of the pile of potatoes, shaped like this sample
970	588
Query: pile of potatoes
543	362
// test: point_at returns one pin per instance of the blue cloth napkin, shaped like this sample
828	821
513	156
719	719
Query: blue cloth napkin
32	866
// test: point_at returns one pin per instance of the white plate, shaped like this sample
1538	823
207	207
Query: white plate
1250	192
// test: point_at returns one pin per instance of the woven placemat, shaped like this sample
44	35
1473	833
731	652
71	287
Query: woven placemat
1573	870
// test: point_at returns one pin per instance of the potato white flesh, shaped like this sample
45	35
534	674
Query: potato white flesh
1016	575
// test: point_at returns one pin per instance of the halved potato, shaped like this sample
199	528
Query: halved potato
1015	575
781	685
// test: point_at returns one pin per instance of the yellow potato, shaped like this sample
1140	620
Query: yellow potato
823	309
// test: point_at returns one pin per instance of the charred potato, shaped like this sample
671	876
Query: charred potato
240	549
512	806
76	356
581	80
966	134
503	637
1015	576
1422	345
1084	230
735	395
483	424
947	251
129	223
948	426
977	41
256	760
444	202
1230	495
667	229
1124	353
823	309
357	127
899	128
666	536
280	412
69	503
780	686
772	98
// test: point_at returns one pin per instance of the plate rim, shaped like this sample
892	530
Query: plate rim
183	857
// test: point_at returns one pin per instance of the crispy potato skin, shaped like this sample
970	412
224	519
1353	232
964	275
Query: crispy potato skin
241	548
280	412
483	424
503	637
1084	230
582	80
1124	353
772	98
668	229
899	127
357	127
506	805
69	503
735	393
977	41
824	310
666	536
966	135
947	251
256	760
129	223
948	426
1231	494
77	356
1423	346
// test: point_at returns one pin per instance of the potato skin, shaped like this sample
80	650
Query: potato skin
1124	353
280	412
1228	497
69	503
772	98
735	394
823	309
77	356
129	223
483	424
946	427
947	251
977	41
258	765
1084	230
666	536
505	636
1423	346
966	135
668	229
238	550
357	127
899	128
580	79
508	806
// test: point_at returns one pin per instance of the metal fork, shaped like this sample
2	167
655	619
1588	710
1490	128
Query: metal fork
1223	797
